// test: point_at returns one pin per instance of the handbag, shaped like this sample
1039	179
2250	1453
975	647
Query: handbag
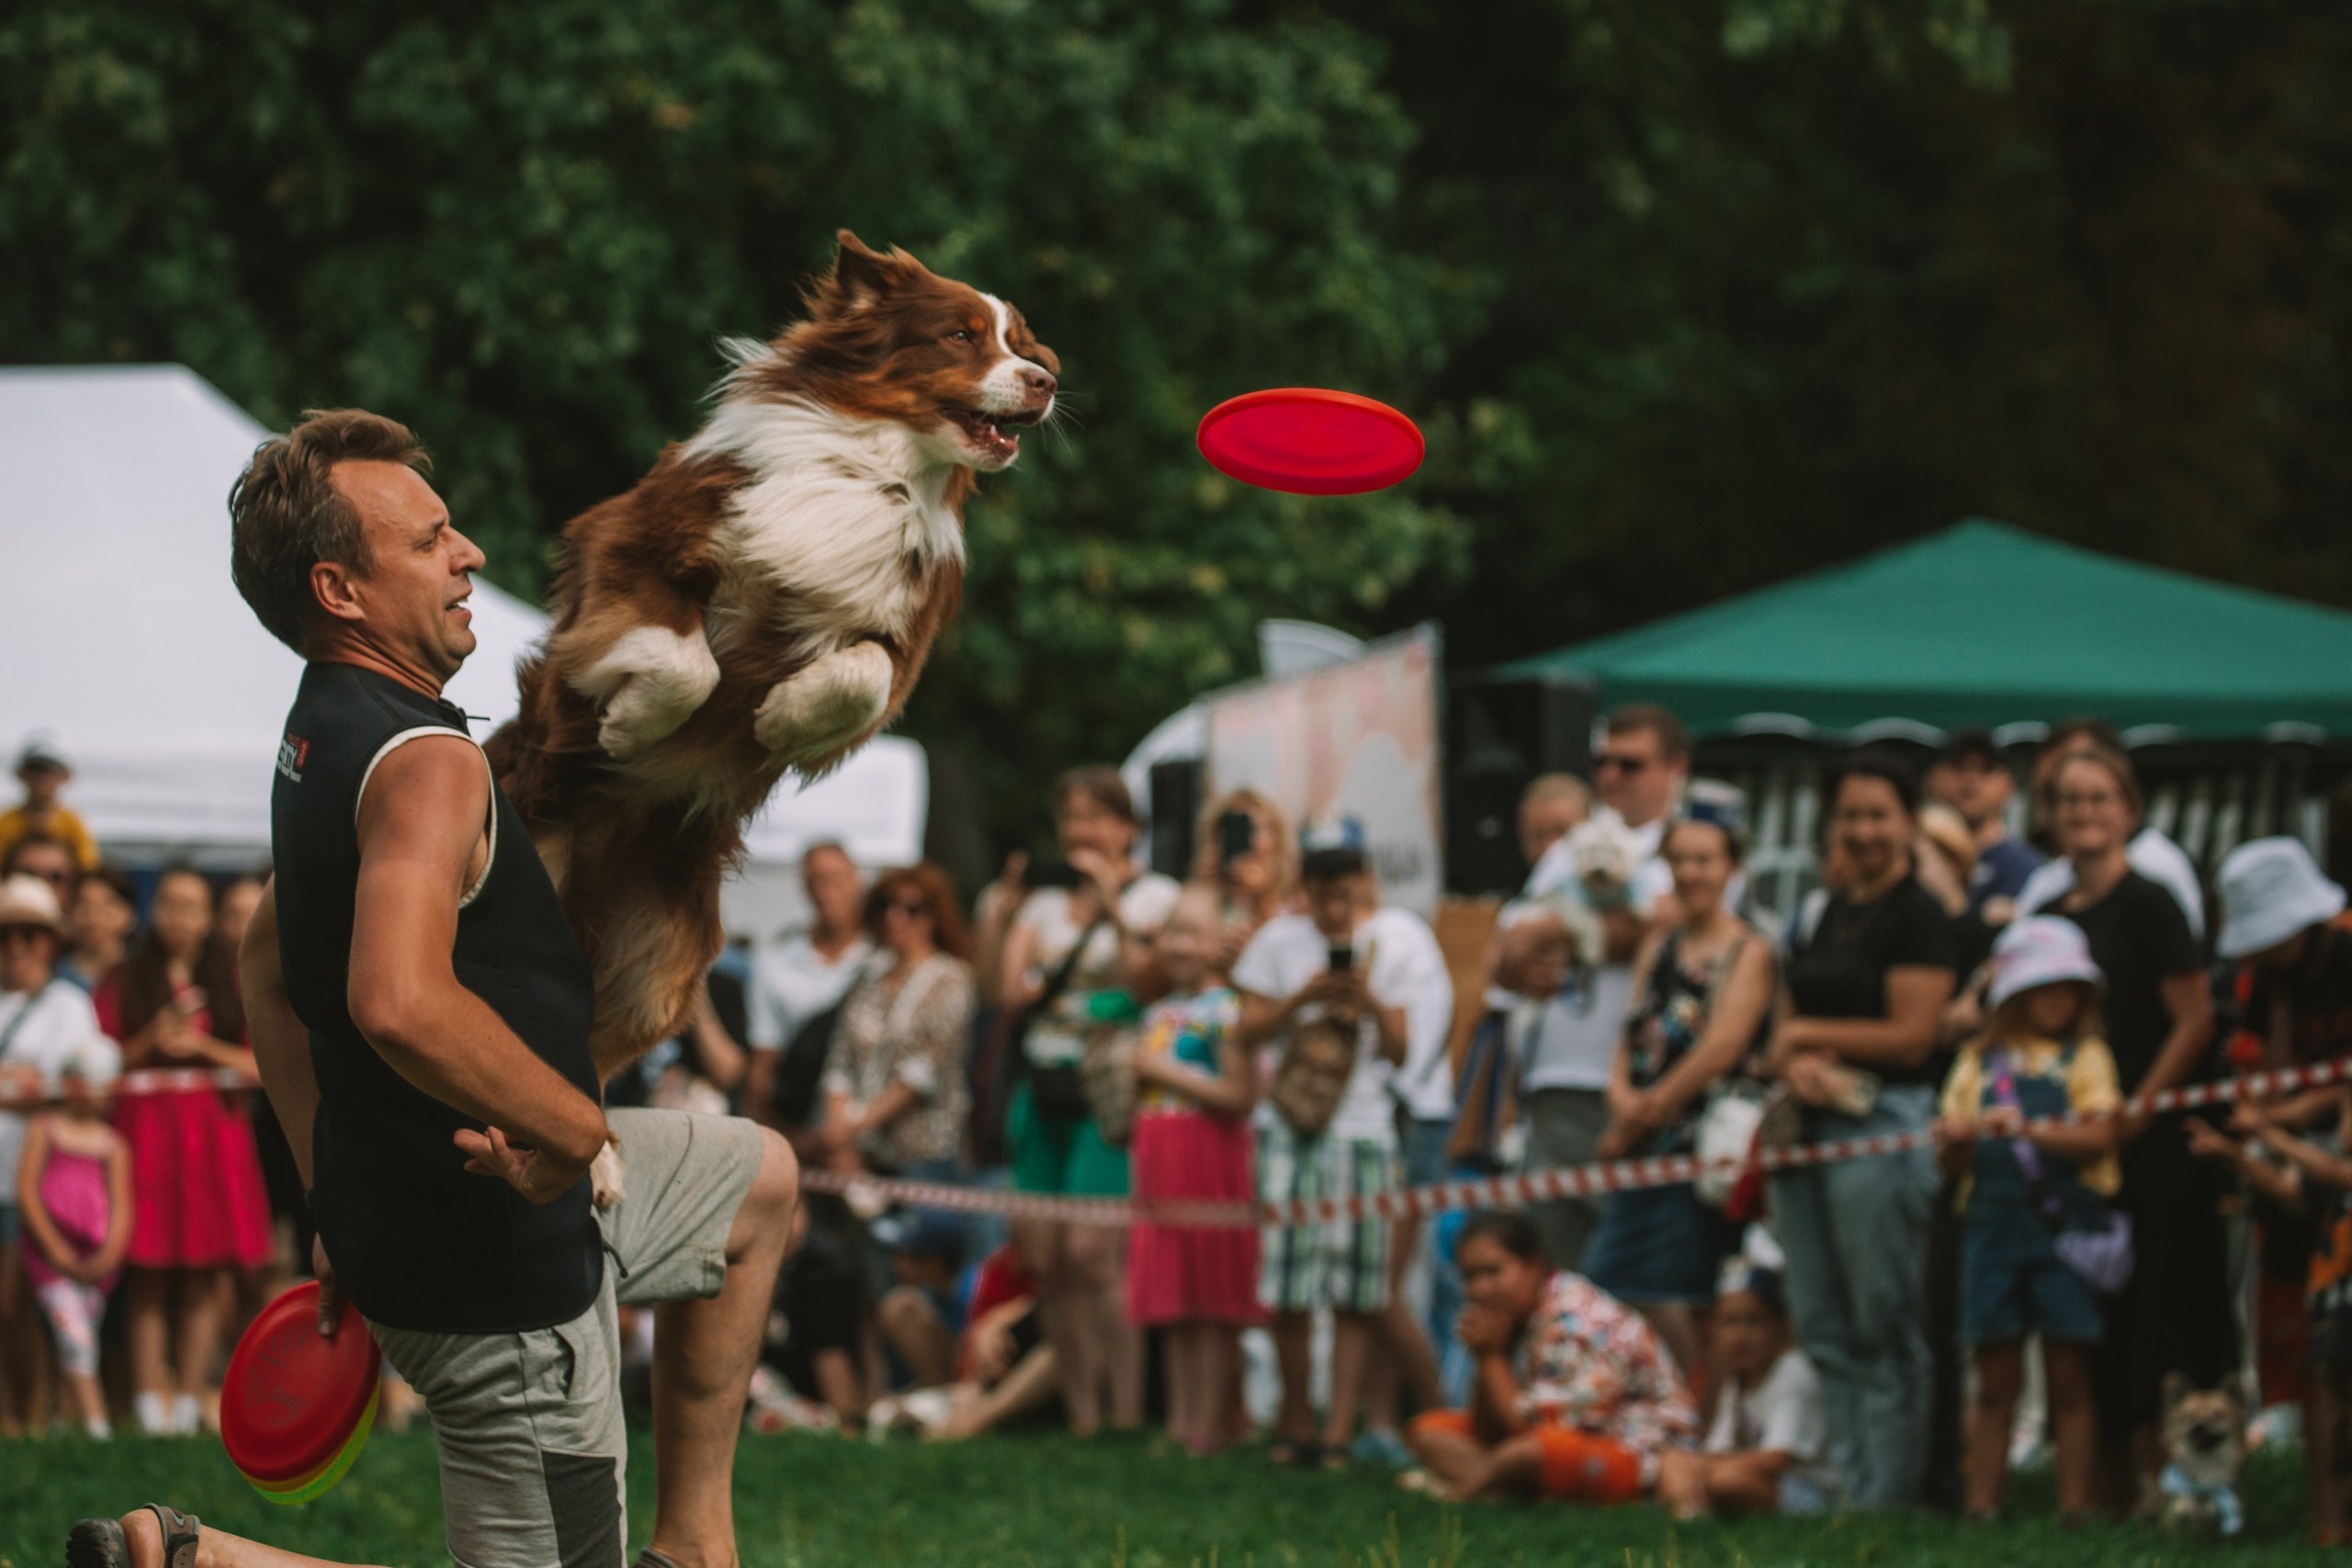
2088	1236
1311	1078
1727	1142
1106	1065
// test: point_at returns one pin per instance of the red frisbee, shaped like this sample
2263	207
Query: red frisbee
292	1402
1311	441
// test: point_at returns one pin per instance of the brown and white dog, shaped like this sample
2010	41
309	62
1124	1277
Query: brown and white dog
762	601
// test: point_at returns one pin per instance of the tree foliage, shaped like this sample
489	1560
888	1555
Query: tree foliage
1690	294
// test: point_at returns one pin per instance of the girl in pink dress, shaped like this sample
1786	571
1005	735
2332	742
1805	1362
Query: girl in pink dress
200	1209
1197	1085
73	1191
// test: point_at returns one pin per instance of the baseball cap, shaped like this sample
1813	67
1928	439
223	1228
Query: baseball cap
40	751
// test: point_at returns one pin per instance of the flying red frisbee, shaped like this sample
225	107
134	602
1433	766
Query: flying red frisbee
1311	441
295	1408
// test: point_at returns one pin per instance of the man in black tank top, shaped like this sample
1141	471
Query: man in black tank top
420	1012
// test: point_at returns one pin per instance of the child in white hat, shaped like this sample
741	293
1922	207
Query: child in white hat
2039	1242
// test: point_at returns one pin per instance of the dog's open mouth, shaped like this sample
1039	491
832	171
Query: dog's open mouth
992	435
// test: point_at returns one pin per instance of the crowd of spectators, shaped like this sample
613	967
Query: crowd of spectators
1972	964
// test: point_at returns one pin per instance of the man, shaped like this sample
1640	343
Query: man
1551	808
1973	779
795	982
1567	1044
2151	854
420	1014
42	768
50	858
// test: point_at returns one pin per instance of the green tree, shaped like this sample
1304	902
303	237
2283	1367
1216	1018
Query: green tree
522	227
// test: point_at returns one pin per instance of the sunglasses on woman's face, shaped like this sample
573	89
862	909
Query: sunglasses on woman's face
910	907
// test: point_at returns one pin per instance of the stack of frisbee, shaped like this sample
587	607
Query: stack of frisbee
296	1406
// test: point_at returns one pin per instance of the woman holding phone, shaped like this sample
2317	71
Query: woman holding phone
200	1207
1247	854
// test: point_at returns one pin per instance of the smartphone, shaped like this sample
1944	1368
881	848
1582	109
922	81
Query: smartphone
1340	960
1236	833
1052	873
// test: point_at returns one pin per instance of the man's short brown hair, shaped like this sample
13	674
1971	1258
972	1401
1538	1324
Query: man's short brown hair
285	515
1673	740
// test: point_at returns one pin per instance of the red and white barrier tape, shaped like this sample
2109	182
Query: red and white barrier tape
143	1080
1519	1186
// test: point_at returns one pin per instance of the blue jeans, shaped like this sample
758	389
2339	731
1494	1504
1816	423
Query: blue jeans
1856	1238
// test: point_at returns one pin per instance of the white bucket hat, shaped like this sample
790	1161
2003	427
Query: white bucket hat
2271	888
2040	950
29	901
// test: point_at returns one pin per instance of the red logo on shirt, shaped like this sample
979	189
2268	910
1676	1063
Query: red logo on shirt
293	753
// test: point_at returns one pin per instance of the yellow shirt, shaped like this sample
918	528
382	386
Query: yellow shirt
2091	1088
60	823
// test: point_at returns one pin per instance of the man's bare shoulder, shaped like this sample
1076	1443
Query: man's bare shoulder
435	780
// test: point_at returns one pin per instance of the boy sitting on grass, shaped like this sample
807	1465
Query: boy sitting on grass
1763	1454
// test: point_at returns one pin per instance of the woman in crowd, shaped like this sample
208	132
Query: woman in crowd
45	1024
800	979
1703	999
2175	1315
200	1208
99	923
1247	854
895	1093
1866	988
1574	1398
1198	1084
1067	950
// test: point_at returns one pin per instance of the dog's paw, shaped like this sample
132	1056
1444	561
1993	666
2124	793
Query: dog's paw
651	681
826	705
604	1176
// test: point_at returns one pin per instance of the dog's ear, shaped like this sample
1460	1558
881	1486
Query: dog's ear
861	275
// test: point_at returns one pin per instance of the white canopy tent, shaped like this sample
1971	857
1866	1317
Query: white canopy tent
125	642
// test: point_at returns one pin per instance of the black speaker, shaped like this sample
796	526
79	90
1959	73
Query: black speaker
1175	815
1499	734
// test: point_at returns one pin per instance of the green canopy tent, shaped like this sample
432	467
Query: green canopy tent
1984	625
2238	704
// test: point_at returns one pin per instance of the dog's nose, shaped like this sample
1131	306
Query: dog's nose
1037	381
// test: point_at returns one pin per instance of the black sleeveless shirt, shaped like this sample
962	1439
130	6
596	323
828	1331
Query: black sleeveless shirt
418	1242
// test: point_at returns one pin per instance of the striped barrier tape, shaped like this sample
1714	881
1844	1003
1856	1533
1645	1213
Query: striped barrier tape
131	1085
1516	1187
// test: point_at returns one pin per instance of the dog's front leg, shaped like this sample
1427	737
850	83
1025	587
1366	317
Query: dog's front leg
820	709
649	681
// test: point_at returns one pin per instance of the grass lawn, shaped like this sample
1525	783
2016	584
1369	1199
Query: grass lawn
811	1502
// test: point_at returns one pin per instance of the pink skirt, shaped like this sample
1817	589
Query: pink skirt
1178	1273
195	1179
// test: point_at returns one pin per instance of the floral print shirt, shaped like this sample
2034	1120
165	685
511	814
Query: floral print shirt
1587	1361
1191	1029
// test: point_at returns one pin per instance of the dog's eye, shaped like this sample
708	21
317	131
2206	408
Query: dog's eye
961	335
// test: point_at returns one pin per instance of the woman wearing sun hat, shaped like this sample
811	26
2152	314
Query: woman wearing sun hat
2283	921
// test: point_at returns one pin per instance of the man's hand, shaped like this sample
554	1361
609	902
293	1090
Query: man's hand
1339	992
330	1290
537	1174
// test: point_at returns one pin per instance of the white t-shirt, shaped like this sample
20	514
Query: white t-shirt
792	983
1782	1415
1569	1041
44	1031
1144	907
1403	968
2150	854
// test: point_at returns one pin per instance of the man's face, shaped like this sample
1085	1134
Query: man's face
1544	821
410	601
1634	778
43	782
835	890
1980	789
53	864
1335	903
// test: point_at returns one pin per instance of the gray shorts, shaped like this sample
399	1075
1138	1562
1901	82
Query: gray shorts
533	1455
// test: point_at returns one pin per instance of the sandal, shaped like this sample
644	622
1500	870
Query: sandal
100	1543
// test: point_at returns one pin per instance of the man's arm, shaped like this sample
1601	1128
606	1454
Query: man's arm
281	1045
419	824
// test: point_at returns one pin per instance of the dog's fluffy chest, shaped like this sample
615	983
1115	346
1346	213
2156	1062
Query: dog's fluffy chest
841	530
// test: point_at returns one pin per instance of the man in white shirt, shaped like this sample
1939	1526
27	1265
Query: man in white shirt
1564	1039
1379	975
797	979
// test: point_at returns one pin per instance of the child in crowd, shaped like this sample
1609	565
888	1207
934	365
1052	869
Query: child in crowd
1197	1084
2034	1198
73	1196
1763	1452
41	769
2314	1175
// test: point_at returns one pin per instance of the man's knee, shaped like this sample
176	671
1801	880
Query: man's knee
775	1189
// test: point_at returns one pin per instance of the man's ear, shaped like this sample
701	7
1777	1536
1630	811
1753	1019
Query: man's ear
335	589
861	275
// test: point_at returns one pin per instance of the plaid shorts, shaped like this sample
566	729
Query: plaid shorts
1342	1263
